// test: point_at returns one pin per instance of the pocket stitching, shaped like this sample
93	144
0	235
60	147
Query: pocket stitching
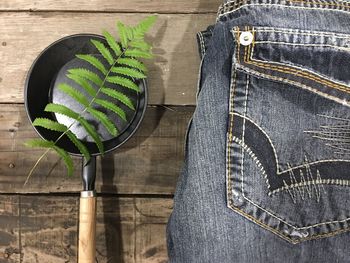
242	172
229	186
275	152
299	32
270	65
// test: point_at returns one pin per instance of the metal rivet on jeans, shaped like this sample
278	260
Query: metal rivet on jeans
246	38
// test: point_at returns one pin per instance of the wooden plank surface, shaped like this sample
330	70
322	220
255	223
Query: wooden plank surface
43	229
149	162
173	73
168	6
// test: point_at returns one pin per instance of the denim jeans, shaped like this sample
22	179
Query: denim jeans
266	173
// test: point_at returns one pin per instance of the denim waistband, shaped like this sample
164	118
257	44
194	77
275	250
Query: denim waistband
227	10
203	38
229	7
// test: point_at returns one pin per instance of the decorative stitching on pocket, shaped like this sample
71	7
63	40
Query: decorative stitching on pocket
262	29
345	89
279	171
246	148
231	138
297	44
284	68
295	83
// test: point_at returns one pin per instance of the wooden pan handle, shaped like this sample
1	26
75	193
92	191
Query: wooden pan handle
87	227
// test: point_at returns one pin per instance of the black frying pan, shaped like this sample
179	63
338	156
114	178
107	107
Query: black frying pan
47	71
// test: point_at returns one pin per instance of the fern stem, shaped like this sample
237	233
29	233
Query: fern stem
35	165
80	115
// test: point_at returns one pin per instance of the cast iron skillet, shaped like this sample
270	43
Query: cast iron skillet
49	69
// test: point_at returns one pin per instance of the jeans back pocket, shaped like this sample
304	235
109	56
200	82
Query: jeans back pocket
288	138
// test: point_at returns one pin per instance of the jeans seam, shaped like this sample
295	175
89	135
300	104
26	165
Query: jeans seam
229	7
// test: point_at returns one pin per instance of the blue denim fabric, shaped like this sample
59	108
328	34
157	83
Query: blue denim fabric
266	174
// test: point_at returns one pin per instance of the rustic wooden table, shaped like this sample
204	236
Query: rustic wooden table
38	222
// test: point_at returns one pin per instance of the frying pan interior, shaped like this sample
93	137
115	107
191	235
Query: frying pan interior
50	69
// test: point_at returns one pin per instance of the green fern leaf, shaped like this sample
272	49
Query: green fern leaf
123	82
103	50
104	120
129	32
128	72
132	63
49	124
55	126
93	61
112	43
83	83
61	109
66	158
122	34
140	44
119	96
39	143
61	152
86	74
143	26
75	94
137	53
93	133
112	107
81	146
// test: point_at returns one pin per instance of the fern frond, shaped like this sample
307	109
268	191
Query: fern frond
38	142
51	145
131	62
93	133
83	83
67	159
49	124
136	53
61	109
75	94
112	43
128	72
118	96
55	126
140	44
129	32
123	82
81	146
103	50
143	26
86	74
103	118
112	107
93	61
122	34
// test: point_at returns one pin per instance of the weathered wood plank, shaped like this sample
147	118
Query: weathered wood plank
149	162
172	73
128	229
9	233
168	6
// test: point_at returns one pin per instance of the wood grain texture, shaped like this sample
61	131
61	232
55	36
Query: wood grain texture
173	72
169	6
44	229
149	162
9	229
87	230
